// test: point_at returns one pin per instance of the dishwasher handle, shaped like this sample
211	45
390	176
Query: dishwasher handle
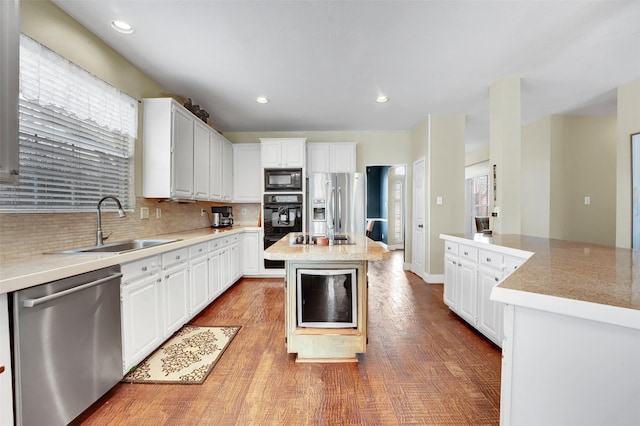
30	303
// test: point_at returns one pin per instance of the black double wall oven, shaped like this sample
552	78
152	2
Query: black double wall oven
282	214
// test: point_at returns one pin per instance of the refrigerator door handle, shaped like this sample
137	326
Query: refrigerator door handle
340	208
332	200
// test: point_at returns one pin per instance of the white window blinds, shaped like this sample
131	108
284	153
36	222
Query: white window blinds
76	137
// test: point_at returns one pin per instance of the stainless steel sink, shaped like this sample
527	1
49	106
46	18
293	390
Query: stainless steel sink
115	248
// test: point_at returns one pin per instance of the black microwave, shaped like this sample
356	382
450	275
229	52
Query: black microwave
283	180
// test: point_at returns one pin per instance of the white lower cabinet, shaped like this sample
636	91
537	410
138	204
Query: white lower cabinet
198	278
225	264
215	269
159	294
470	274
450	278
490	313
236	260
467	286
141	310
175	278
250	252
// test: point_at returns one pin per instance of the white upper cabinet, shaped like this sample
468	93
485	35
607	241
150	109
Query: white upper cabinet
246	172
9	60
201	157
183	158
331	157
283	153
227	170
167	149
215	167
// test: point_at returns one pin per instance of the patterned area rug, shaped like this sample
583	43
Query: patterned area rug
187	358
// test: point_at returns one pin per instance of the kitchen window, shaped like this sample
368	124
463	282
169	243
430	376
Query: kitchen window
76	137
479	197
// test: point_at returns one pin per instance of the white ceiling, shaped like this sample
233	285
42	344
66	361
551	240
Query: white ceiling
322	63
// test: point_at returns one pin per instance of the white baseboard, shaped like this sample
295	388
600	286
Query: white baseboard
434	278
427	278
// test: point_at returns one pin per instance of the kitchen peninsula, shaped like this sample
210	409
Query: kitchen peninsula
329	343
571	331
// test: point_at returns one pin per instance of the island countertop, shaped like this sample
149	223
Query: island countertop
363	249
585	280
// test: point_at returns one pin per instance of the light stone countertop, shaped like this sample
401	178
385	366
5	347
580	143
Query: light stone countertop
580	279
363	249
28	272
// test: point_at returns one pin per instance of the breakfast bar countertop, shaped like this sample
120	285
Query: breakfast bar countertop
581	279
363	249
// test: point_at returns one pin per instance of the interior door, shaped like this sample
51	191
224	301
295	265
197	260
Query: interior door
418	234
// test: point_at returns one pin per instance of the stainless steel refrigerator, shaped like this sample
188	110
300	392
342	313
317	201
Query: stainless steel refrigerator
336	200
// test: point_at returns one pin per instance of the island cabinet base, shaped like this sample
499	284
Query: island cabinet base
317	344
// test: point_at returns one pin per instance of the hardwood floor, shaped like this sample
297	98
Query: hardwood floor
423	366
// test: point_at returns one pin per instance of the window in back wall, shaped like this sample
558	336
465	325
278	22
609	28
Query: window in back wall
76	137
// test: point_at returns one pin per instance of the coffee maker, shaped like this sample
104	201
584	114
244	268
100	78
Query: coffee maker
222	216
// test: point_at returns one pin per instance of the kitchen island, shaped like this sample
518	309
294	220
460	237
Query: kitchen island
571	332
319	343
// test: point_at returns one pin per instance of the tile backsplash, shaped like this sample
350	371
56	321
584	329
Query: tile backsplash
27	234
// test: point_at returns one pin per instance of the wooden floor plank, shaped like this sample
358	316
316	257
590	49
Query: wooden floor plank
423	366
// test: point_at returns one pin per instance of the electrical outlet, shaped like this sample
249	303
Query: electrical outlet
144	212
158	212
203	212
587	201
244	212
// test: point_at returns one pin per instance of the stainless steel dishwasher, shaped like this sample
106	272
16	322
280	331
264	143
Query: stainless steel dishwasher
67	346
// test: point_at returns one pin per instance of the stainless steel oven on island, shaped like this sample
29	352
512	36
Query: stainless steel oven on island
326	296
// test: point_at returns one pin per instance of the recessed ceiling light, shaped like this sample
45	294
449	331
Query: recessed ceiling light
121	27
382	99
262	100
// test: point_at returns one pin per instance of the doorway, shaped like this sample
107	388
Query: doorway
385	204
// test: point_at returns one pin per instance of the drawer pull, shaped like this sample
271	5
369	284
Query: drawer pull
178	257
496	278
489	259
144	269
466	253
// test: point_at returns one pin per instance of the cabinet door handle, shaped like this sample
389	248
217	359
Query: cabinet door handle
496	278
178	257
466	253
489	259
1	369
144	269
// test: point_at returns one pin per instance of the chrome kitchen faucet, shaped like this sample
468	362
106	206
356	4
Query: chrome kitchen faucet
99	238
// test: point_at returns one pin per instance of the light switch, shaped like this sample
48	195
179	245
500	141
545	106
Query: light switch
439	200
587	201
